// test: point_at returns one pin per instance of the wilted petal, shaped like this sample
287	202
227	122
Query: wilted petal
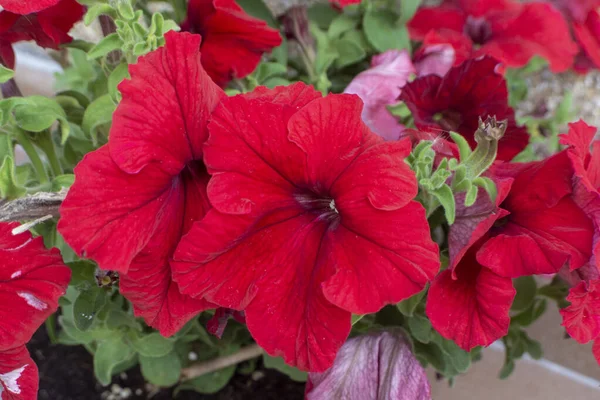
376	366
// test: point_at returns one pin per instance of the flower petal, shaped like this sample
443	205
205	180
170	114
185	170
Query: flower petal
471	309
403	258
378	365
435	18
18	375
163	116
32	279
131	208
581	319
587	34
26	7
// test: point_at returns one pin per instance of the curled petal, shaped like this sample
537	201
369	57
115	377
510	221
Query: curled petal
581	319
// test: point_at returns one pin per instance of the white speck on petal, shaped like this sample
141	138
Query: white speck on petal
15	275
10	379
33	301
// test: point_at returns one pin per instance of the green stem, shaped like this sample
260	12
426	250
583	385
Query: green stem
31	152
51	329
45	143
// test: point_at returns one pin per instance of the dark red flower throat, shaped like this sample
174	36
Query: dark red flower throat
319	204
478	29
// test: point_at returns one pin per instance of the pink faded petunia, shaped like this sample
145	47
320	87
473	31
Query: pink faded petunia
507	30
313	220
380	86
456	101
378	365
47	22
233	42
149	181
32	278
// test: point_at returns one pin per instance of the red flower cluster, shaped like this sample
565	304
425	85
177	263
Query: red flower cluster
584	18
456	101
540	222
304	197
47	22
232	41
32	279
511	31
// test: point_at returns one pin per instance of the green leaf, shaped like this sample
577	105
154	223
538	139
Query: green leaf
37	113
82	274
152	345
109	354
384	31
341	24
5	74
488	185
258	9
267	70
117	319
408	8
460	359
348	53
446	198
471	196
9	187
85	307
277	363
531	314
62	181
408	306
420	328
98	114
526	292
432	354
322	15
116	77
96	10
109	43
126	9
161	371
464	149
507	369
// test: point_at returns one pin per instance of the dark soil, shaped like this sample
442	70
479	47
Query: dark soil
67	373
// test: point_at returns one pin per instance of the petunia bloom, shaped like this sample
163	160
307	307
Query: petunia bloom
32	279
47	22
456	101
378	365
507	30
136	196
233	42
380	86
535	227
344	3
313	220
584	19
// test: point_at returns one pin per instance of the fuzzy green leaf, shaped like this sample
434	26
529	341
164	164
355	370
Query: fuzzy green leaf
5	74
277	363
96	10
85	307
109	354
152	345
420	328
109	43
384	31
464	149
99	113
446	198
341	24
9	187
161	371
408	306
348	53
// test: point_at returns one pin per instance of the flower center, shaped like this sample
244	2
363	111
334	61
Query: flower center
322	205
478	29
449	120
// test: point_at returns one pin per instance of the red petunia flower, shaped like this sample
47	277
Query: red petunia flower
313	220
535	227
47	22
135	197
504	29
584	18
232	41
32	279
456	101
582	318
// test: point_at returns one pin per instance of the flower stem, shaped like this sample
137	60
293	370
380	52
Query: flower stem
33	155
203	368
45	143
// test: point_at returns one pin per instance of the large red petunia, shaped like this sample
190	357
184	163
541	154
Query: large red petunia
584	18
313	220
507	30
46	22
456	101
582	317
232	41
32	279
134	198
